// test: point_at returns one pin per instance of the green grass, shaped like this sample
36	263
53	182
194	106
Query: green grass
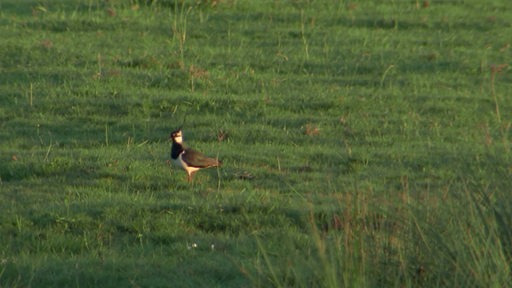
365	143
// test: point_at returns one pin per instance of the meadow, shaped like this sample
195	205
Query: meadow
364	143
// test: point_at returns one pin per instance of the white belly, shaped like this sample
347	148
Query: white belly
180	163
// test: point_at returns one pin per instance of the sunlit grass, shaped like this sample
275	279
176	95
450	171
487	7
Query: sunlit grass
365	144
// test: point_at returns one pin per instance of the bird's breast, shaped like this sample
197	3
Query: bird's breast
178	161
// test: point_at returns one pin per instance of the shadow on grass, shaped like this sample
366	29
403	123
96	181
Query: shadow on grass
123	269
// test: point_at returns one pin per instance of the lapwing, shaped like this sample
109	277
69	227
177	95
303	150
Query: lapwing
189	159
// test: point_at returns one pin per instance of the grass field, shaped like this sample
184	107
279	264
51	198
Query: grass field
365	143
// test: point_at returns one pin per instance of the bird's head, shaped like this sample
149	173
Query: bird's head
176	136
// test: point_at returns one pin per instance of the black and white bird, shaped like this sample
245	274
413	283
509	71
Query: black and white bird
189	159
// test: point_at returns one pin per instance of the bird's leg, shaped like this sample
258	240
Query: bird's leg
190	176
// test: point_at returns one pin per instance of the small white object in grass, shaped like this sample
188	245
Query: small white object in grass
212	246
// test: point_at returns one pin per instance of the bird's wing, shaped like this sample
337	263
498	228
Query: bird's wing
197	159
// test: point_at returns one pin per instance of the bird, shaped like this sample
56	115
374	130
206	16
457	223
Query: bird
189	159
